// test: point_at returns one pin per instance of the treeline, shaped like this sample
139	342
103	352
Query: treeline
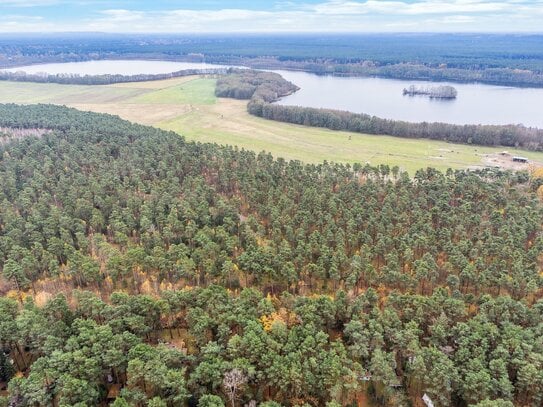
248	84
417	71
485	135
410	71
506	59
300	284
107	79
414	71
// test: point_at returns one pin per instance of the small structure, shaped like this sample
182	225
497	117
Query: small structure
427	400
520	159
396	384
366	377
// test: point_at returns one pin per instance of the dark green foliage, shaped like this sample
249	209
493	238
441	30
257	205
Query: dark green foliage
430	283
247	84
210	401
6	368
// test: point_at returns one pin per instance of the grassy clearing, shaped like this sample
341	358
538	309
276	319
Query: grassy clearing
188	106
25	93
161	84
195	92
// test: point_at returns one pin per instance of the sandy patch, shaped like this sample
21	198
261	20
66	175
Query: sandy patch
505	161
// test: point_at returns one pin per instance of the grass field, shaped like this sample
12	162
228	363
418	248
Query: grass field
188	106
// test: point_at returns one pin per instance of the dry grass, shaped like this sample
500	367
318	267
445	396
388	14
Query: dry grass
148	114
188	106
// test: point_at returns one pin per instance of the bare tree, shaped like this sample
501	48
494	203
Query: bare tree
232	381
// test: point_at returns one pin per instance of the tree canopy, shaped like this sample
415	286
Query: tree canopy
141	268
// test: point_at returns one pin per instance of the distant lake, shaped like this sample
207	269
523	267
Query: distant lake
121	67
475	104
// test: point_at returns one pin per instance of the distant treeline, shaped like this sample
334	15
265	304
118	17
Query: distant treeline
507	59
466	51
264	88
107	79
403	70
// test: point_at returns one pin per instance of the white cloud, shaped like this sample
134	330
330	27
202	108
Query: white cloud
328	16
121	15
342	15
27	3
396	7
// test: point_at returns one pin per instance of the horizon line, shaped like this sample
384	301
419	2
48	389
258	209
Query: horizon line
275	32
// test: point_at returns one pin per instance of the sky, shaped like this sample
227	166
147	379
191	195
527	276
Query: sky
225	16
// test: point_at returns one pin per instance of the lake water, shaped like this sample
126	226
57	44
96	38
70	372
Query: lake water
122	67
475	104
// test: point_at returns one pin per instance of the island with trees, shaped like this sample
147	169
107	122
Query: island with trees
433	92
247	84
262	89
139	269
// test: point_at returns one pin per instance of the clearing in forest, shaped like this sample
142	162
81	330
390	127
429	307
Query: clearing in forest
188	106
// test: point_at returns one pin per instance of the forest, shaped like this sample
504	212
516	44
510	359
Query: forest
502	59
246	84
139	269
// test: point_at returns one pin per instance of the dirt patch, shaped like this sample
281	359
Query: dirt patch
505	160
8	134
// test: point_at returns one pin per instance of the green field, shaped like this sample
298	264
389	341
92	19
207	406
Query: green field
188	106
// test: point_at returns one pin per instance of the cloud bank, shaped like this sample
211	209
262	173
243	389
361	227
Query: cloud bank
286	16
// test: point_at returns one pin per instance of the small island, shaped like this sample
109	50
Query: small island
435	92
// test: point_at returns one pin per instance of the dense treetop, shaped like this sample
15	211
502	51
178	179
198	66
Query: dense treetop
248	84
195	273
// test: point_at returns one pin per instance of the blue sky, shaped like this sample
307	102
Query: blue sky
182	16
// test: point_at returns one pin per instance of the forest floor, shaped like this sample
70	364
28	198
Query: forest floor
189	107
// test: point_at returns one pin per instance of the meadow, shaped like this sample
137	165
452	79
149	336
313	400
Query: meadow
189	107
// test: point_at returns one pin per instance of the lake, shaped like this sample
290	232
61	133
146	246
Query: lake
475	104
121	67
